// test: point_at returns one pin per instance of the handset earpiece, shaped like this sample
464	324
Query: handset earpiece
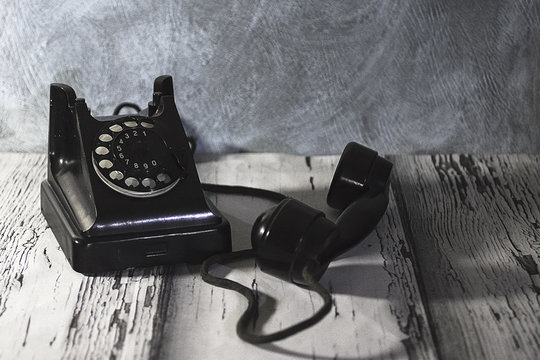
292	236
360	189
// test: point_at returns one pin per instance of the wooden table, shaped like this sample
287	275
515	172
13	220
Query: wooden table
451	272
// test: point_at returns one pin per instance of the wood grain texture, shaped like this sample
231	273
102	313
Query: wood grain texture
422	76
49	311
468	287
474	228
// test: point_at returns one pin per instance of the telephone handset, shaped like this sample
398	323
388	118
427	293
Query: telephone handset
123	191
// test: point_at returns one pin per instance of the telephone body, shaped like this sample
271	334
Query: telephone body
122	191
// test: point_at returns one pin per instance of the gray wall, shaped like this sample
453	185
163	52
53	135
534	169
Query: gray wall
291	76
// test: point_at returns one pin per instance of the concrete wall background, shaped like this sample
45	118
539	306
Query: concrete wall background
415	76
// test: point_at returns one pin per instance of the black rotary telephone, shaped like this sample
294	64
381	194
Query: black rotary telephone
123	191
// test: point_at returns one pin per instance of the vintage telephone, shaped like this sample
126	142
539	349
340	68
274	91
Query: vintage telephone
123	191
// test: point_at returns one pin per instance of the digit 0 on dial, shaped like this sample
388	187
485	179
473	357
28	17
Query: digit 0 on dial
132	159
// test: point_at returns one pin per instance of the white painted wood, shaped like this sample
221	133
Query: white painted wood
474	225
49	311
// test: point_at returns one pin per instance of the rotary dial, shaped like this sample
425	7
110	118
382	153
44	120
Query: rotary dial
131	158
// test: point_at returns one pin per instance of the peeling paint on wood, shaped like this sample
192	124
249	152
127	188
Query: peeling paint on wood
452	270
473	228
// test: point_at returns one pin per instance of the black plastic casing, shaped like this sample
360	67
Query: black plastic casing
100	229
360	170
289	237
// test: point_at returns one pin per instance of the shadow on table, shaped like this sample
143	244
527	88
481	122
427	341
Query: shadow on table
242	213
472	233
362	271
472	224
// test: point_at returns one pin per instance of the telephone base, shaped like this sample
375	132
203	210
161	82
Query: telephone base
98	254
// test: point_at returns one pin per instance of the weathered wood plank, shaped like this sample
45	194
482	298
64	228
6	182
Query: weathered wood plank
49	311
52	312
474	225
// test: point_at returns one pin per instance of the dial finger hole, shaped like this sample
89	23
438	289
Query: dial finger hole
130	124
164	178
147	125
149	183
102	150
105	164
105	137
116	175
115	128
132	182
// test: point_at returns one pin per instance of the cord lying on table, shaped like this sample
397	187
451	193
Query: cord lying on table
247	320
